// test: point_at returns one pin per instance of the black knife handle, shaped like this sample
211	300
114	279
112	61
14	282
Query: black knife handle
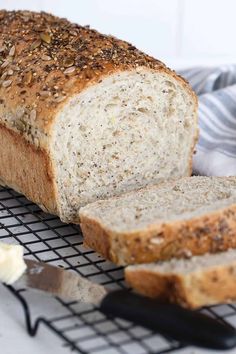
184	325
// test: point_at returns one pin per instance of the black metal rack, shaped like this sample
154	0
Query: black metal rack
82	327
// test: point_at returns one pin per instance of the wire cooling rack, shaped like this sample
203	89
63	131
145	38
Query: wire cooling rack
80	326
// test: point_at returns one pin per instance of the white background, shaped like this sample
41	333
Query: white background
179	32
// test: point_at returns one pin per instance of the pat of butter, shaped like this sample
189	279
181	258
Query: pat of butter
12	264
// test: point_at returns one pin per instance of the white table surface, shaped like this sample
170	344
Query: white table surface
13	335
14	338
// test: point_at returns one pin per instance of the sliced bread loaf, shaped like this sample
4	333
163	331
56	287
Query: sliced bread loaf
85	116
202	280
193	215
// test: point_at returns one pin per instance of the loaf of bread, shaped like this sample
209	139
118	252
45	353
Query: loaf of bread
191	216
84	116
200	281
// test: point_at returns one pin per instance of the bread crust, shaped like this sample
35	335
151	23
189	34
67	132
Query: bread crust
27	169
212	232
45	61
166	288
211	286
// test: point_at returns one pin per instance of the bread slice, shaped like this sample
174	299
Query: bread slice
85	116
200	281
193	215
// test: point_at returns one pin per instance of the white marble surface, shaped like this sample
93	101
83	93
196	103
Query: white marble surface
14	338
13	335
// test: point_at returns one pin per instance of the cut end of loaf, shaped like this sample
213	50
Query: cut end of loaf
132	129
200	281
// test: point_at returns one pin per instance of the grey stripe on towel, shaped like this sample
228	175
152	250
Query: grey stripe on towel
216	89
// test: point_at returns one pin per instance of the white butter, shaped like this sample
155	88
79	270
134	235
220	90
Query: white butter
12	264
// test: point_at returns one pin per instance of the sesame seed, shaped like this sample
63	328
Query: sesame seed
46	57
69	70
33	114
6	83
4	75
45	93
12	51
5	63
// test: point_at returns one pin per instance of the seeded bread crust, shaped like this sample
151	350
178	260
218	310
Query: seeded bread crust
206	287
44	62
212	232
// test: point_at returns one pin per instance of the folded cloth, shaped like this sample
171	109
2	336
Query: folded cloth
216	148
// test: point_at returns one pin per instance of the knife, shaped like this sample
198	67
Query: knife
186	326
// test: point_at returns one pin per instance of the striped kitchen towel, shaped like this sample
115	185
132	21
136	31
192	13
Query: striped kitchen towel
216	148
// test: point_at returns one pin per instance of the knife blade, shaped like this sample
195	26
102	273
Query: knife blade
56	281
181	324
